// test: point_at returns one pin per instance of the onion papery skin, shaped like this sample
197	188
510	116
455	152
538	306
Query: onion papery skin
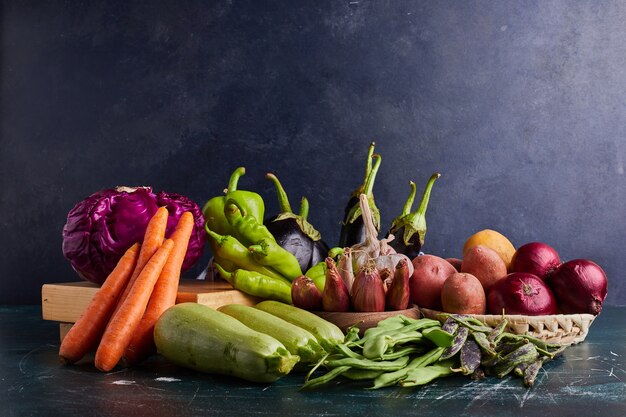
535	258
580	286
521	293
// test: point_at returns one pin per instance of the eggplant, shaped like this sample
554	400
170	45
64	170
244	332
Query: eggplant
293	232
352	226
409	228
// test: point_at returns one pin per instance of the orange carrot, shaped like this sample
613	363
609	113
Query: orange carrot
120	329
163	295
152	240
86	332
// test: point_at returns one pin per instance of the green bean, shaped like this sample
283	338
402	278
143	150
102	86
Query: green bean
421	376
346	351
326	378
450	326
438	336
498	330
457	344
403	351
391	378
471	323
484	344
369	364
525	353
531	371
470	357
361	374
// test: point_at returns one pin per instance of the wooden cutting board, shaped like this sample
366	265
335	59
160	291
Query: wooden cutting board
65	302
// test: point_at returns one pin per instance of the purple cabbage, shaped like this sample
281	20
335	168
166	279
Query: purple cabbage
103	226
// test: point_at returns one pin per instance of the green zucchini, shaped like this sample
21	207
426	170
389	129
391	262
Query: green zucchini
197	337
297	340
326	333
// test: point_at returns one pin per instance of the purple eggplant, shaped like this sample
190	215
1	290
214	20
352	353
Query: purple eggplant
409	228
294	233
352	226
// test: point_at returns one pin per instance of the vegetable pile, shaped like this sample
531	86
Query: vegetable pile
136	244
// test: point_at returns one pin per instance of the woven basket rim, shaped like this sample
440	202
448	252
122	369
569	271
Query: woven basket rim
510	317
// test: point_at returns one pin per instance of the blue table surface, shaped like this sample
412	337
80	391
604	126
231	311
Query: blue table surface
588	380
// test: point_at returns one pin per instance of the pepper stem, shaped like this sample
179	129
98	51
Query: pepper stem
219	239
283	200
234	179
409	201
228	276
369	182
426	197
304	208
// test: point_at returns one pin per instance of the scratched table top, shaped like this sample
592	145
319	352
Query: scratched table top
588	380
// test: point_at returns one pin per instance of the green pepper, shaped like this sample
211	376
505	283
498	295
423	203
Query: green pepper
260	241
256	284
318	274
251	202
232	251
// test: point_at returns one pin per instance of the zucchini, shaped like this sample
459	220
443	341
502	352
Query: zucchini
327	334
297	340
197	337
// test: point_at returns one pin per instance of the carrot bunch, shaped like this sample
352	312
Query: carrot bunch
119	320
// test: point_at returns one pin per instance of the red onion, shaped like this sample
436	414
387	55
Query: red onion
579	286
535	258
521	293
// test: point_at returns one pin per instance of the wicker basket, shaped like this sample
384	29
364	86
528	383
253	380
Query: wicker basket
363	320
565	329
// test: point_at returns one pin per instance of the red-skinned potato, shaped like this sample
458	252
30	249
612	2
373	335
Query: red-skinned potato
463	294
430	272
485	264
456	263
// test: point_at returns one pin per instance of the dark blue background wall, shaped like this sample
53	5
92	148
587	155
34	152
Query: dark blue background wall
520	105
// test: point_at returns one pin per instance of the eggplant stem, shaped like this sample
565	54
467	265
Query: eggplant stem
283	200
369	182
234	179
370	153
426	196
304	208
409	201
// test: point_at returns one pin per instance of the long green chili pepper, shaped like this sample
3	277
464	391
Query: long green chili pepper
256	284
261	243
230	249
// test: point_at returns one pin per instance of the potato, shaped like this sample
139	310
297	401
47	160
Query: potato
493	240
456	263
428	277
463	294
485	264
